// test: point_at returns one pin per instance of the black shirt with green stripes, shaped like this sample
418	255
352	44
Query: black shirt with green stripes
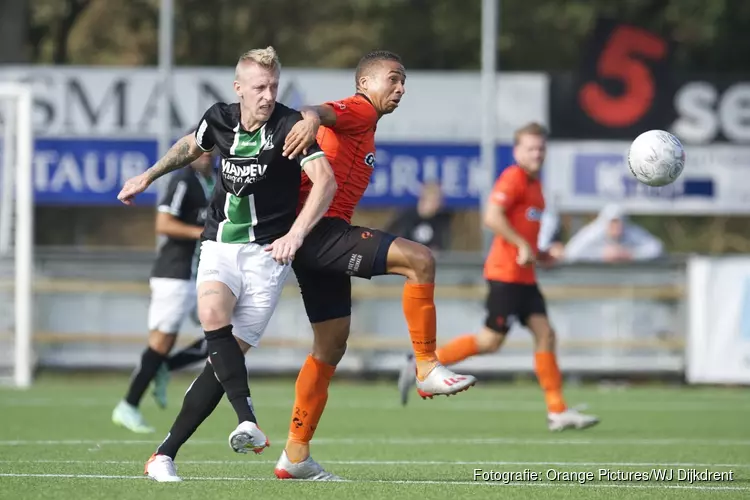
256	196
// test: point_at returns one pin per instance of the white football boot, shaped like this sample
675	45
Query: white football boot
161	468
407	378
248	437
570	419
443	382
306	470
130	417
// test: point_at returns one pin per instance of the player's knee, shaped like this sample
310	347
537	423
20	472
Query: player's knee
329	354
416	262
330	342
161	342
551	337
424	265
489	341
213	316
545	339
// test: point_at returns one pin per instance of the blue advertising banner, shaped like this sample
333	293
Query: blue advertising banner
590	168
586	176
92	171
89	172
400	169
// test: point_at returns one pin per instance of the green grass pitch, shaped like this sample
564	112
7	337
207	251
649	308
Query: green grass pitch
57	441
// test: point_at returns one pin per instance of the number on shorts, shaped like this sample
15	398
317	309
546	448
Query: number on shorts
241	219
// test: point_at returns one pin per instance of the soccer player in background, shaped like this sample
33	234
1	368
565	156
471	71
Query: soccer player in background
332	253
252	232
514	213
179	223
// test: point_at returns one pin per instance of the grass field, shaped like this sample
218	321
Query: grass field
57	441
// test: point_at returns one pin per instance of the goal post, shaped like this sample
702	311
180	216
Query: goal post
17	221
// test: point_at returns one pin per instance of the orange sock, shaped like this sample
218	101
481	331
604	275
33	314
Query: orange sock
419	309
545	364
458	349
311	395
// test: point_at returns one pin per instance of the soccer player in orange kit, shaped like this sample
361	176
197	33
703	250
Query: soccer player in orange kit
337	250
514	214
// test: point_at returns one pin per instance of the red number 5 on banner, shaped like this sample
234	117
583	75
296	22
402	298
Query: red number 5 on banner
621	60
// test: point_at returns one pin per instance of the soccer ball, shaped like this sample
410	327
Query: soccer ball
656	158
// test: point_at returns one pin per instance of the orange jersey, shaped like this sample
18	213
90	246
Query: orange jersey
523	201
350	148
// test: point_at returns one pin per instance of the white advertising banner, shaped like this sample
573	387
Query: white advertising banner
123	102
583	176
718	347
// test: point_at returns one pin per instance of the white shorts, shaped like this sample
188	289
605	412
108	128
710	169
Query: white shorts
172	300
255	279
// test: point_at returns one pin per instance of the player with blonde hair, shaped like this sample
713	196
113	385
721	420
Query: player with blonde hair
252	233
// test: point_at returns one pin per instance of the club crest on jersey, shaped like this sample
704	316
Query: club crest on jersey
202	216
268	144
370	159
243	174
534	214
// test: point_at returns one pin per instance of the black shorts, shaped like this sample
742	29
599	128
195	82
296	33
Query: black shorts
332	253
511	302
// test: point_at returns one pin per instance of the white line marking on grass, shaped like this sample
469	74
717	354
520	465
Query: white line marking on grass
246	463
404	481
70	476
505	406
437	440
77	442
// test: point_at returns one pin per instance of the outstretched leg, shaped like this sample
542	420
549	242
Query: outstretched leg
416	263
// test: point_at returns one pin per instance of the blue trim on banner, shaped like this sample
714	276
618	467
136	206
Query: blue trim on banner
91	171
600	174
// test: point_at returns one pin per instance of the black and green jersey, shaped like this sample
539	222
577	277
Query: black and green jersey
256	197
186	198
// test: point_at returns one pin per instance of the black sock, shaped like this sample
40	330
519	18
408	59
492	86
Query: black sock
229	366
195	352
143	375
201	398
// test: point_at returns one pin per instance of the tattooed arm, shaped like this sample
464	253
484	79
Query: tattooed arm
183	153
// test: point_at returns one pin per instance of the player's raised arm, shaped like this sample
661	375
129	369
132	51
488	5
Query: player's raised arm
302	135
350	116
323	113
182	153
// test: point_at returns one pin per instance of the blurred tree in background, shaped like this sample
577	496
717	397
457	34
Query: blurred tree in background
429	34
544	35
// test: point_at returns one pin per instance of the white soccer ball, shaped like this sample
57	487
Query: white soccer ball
656	158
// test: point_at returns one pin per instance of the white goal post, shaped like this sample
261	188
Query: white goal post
17	151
